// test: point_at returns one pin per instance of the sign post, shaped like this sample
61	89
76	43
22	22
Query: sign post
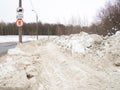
19	21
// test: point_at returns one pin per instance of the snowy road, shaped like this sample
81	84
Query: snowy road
5	46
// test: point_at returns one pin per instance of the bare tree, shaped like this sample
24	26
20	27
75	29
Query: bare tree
110	17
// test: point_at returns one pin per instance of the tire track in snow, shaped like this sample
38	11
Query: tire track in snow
61	72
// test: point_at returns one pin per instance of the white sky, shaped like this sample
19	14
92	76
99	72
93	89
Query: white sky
52	11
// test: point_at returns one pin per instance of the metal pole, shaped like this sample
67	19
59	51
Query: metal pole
48	32
20	28
37	25
20	34
20	3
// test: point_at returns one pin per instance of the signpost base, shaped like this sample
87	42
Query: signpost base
20	34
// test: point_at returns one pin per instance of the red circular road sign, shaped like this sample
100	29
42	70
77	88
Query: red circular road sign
19	22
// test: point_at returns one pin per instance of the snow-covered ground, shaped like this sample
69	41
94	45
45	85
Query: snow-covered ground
15	38
76	62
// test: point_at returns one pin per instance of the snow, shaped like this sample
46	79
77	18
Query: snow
117	33
15	51
15	38
45	64
7	67
79	43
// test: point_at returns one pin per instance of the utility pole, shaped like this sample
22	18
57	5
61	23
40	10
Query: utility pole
36	23
20	28
19	21
20	3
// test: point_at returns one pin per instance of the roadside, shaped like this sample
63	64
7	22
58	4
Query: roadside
4	47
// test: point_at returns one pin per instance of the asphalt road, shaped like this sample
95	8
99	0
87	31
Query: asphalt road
4	47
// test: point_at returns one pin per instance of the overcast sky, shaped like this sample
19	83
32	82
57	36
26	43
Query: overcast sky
52	11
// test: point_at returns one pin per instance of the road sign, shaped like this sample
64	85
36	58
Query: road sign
19	22
19	16
20	9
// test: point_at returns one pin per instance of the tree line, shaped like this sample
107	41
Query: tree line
43	29
107	23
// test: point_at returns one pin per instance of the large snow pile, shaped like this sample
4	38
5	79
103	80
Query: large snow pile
79	43
95	50
100	53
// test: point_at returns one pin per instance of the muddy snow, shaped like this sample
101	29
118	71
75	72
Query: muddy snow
76	62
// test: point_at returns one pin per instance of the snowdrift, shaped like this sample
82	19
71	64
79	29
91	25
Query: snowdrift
92	48
79	43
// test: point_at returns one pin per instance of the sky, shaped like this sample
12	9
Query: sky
53	11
